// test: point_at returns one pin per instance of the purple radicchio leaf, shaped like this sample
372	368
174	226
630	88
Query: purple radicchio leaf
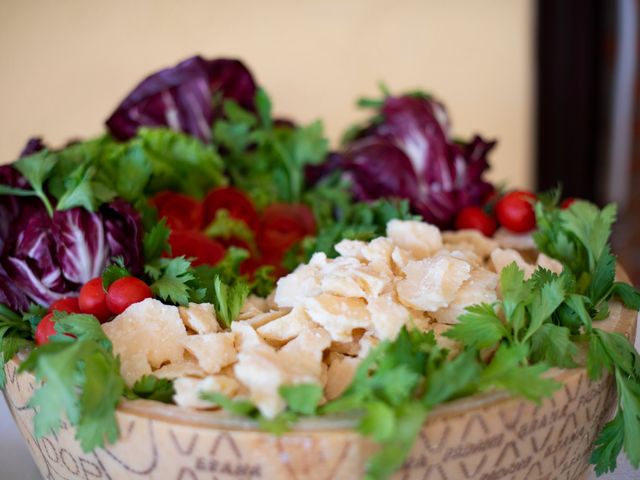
407	152
182	97
10	294
14	210
32	264
123	230
34	144
81	245
379	169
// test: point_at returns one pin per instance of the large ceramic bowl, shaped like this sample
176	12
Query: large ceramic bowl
485	437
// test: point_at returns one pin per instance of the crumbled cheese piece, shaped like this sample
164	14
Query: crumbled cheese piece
504	257
387	316
293	289
246	336
340	373
518	241
200	317
146	335
350	248
549	263
264	318
253	306
479	288
432	283
188	390
303	354
287	327
419	238
338	315
471	240
186	368
263	370
400	259
213	351
378	250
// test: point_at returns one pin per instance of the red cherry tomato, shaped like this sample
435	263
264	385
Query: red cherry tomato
196	245
477	219
515	211
235	202
45	329
181	211
68	305
93	300
566	203
125	292
282	226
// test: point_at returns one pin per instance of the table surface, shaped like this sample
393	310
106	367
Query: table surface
16	462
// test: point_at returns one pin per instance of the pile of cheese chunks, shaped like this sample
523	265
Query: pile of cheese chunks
321	320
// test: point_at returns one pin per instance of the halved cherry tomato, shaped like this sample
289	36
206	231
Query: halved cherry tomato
45	329
477	219
282	226
515	211
68	305
181	211
194	244
566	203
93	300
125	292
235	202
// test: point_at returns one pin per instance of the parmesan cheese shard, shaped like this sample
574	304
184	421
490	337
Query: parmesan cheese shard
420	239
400	258
481	287
263	370
469	240
246	336
213	351
146	335
266	317
293	289
350	248
503	257
340	373
338	315
445	342
549	263
186	368
188	390
200	317
303	354
517	241
253	306
260	370
378	250
287	327
432	283
387	316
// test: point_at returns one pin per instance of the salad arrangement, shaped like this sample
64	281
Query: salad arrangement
197	200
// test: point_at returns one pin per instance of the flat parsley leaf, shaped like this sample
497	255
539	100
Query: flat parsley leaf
172	280
478	327
80	380
151	387
302	398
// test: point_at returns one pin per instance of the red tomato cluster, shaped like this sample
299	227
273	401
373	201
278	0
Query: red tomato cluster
94	300
276	230
513	210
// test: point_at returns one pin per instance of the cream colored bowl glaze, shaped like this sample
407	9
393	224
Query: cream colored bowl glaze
485	437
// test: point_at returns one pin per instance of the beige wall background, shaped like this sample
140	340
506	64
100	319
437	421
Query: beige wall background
65	64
